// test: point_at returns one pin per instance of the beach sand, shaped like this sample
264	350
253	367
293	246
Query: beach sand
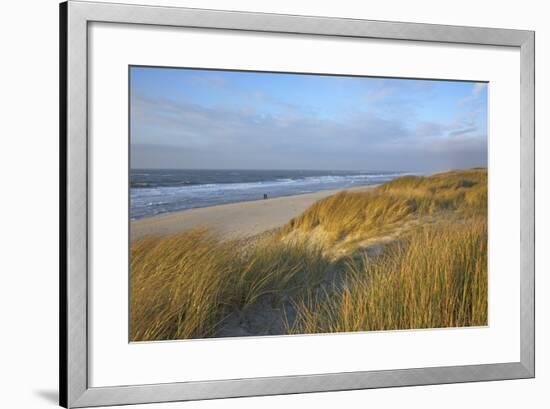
233	220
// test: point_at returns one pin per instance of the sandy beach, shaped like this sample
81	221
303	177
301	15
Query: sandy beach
233	220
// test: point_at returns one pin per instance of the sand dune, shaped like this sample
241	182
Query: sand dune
242	219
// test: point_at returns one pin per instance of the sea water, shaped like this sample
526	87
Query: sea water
157	191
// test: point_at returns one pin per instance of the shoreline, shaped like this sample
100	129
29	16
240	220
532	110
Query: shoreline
233	220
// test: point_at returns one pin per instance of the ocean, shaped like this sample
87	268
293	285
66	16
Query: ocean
158	191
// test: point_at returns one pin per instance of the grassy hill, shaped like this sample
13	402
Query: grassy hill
411	253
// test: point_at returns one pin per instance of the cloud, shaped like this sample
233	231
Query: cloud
212	80
429	129
476	92
169	123
478	88
183	134
381	94
464	131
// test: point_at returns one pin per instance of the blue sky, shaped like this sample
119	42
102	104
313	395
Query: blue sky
189	118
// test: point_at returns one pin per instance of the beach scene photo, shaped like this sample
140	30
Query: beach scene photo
280	204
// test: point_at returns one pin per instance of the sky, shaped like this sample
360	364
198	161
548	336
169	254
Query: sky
212	119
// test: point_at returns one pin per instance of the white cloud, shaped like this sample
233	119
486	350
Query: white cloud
182	134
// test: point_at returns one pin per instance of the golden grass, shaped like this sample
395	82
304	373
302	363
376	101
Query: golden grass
183	286
373	213
436	277
433	275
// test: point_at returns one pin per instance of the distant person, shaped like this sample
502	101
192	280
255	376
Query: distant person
265	195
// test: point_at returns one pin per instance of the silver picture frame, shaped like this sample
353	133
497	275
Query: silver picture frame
75	17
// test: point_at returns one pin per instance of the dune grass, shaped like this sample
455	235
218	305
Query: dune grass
458	194
433	274
183	286
436	277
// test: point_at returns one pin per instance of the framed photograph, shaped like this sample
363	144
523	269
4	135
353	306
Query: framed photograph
259	204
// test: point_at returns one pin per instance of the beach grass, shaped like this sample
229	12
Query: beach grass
431	271
459	194
183	286
436	277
